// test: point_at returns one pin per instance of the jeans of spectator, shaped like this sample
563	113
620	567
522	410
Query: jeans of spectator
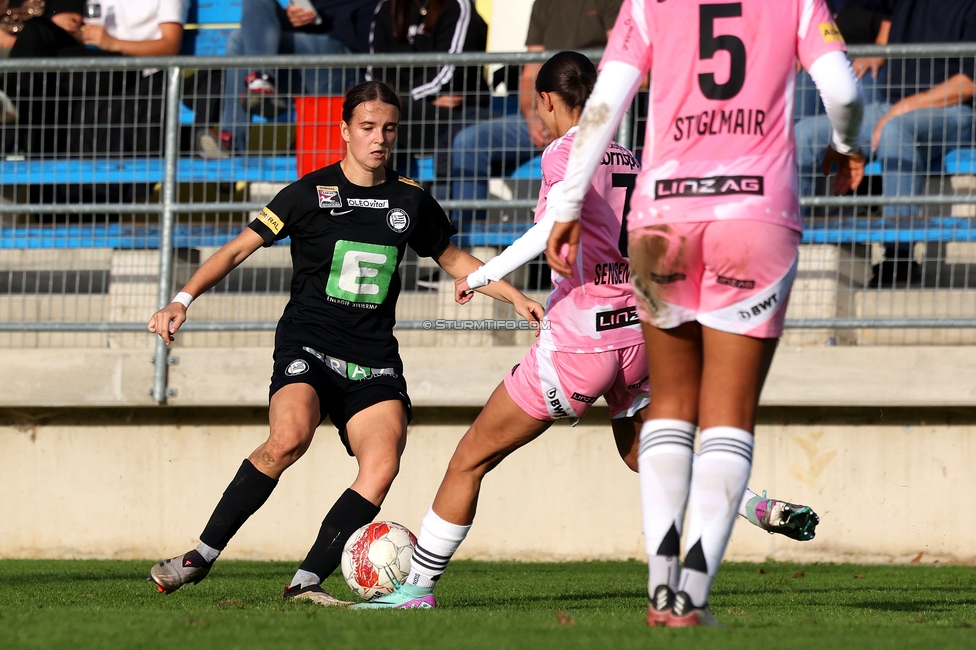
911	145
502	140
266	31
806	99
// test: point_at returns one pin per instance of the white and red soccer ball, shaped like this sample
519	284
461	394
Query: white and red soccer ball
376	558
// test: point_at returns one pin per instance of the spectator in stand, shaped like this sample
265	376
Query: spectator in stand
513	139
438	101
858	26
333	27
13	15
95	112
923	109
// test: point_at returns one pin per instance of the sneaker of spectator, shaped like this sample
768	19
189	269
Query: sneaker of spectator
209	145
260	97
8	112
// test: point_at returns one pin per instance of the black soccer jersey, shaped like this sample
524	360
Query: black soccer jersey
346	245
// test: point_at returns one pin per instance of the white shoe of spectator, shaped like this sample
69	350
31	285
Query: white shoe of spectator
208	145
8	112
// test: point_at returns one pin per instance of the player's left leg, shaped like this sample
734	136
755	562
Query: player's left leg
743	305
376	436
791	520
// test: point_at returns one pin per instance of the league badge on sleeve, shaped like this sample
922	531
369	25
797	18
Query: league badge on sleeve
328	196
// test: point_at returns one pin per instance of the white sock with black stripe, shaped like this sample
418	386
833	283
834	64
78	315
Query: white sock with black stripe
664	462
436	545
718	480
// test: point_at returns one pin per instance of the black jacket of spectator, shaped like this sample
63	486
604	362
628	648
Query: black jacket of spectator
857	25
925	21
459	28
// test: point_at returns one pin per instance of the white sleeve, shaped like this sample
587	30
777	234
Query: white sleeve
841	94
172	11
523	250
615	89
446	73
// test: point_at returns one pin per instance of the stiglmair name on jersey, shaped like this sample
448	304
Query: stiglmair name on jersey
611	320
328	196
376	204
612	273
735	121
713	186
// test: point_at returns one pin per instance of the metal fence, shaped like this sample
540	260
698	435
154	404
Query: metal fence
120	176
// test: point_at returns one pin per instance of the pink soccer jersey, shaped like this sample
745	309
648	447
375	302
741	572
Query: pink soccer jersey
720	139
594	310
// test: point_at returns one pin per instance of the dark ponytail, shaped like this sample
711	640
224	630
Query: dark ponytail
368	91
568	74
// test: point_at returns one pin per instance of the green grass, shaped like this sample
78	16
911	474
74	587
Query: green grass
105	604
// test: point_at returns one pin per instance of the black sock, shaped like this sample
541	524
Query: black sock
242	498
349	513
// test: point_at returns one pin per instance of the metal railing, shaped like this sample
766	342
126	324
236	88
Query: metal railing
122	206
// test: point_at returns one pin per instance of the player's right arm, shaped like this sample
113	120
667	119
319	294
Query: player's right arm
168	320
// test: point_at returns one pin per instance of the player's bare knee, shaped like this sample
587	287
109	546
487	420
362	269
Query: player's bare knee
287	447
381	471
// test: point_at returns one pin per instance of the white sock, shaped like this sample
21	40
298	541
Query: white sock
304	578
747	496
436	545
664	462
718	479
209	553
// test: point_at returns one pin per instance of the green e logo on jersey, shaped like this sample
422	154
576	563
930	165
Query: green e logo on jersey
361	272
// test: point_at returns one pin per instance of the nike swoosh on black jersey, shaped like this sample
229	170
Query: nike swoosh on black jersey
336	214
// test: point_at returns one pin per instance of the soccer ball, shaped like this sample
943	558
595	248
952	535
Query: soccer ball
376	558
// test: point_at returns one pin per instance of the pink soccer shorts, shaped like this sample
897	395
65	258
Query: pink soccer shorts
552	385
734	276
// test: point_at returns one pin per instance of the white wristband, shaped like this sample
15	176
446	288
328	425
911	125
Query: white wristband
183	298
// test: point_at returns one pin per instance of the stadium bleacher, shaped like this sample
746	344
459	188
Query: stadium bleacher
208	26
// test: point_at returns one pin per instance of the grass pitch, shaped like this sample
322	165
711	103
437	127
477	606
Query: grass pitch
106	604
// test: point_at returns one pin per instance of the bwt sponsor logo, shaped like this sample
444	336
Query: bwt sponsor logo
487	324
557	406
759	308
611	320
713	186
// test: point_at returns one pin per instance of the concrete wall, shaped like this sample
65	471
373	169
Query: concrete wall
139	484
880	441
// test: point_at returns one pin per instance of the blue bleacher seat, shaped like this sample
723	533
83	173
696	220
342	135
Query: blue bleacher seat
273	169
532	170
961	161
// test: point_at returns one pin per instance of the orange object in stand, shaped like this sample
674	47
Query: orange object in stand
317	139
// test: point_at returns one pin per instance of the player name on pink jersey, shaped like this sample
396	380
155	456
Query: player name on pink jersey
734	121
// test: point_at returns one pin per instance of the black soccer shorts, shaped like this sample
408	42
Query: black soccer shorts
344	388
